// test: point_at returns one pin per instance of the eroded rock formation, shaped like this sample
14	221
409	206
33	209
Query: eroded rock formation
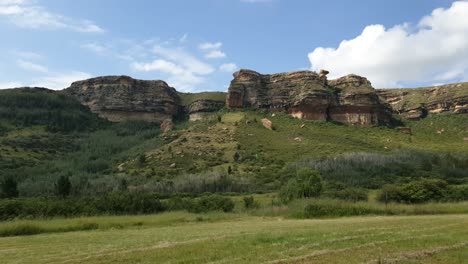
417	103
203	109
308	95
120	98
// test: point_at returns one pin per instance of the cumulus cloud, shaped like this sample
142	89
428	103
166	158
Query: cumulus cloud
212	50
434	50
228	67
31	66
183	70
28	14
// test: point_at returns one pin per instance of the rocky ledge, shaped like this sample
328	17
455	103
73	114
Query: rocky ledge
309	95
203	109
416	103
120	98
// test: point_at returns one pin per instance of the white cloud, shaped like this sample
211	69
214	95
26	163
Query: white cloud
228	67
178	76
212	50
435	50
210	46
185	59
28	55
215	54
7	85
60	81
31	66
96	48
183	39
28	14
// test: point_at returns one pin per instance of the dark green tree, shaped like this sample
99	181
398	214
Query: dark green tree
236	157
9	188
142	159
63	186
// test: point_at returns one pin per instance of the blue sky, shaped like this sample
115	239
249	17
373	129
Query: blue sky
197	45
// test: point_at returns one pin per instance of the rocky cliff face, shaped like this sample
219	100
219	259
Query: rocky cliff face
417	103
203	108
120	98
308	95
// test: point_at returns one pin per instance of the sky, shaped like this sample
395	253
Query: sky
197	45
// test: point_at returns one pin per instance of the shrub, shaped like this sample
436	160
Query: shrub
9	188
307	183
249	202
348	194
212	203
63	186
415	192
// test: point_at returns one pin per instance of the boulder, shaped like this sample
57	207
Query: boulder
267	123
167	125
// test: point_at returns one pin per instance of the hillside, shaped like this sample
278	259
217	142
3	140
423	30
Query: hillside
45	135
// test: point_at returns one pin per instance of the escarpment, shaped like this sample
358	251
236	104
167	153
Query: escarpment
121	98
416	103
307	95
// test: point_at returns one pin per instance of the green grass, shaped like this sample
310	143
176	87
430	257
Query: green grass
233	238
188	98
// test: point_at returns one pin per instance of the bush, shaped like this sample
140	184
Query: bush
249	202
348	194
110	204
211	203
415	192
9	188
307	183
457	193
63	186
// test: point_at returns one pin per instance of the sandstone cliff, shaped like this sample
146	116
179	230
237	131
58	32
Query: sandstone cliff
119	98
308	95
418	102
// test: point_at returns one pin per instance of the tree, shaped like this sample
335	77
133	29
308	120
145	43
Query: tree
63	186
229	170
236	157
9	188
142	158
123	185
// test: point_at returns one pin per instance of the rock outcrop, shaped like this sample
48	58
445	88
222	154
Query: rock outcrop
416	103
203	109
121	98
308	95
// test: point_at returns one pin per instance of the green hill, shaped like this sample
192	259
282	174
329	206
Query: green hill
45	135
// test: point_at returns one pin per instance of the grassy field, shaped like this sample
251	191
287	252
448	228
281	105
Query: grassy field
238	238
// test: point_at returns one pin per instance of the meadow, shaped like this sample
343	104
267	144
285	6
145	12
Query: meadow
180	237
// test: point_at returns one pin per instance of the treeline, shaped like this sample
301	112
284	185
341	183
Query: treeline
114	203
424	190
34	106
373	170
